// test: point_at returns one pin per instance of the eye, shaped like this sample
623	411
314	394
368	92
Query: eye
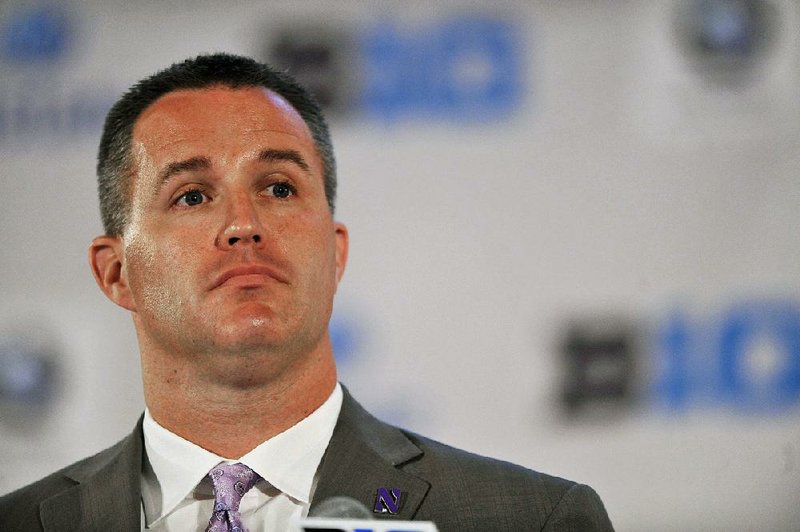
280	190
191	198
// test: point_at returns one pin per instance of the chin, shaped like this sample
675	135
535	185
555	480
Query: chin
256	334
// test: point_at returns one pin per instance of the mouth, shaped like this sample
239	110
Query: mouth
247	276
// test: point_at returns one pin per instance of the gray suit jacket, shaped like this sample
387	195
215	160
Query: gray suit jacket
457	490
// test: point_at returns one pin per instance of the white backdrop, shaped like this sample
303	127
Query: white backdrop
623	184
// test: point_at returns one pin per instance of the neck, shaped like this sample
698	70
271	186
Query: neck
243	396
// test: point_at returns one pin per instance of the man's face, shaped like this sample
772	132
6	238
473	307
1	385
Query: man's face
231	246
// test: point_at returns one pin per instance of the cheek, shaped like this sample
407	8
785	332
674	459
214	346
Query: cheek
313	241
151	271
153	248
140	259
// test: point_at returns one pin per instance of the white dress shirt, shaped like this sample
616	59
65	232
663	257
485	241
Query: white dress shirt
177	494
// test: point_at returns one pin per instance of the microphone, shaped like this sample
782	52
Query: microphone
344	514
341	508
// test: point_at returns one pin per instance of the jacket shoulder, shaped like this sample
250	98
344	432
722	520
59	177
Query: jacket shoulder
470	491
19	510
477	473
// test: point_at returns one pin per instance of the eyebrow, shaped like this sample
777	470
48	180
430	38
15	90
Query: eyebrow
189	165
292	156
204	163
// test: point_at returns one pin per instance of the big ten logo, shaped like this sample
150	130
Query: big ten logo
462	69
321	57
40	95
40	34
747	357
456	69
744	357
599	361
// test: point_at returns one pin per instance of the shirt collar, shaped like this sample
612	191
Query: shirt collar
287	461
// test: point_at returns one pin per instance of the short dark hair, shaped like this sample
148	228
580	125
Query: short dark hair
114	162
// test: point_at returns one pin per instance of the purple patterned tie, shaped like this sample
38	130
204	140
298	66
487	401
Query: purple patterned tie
231	482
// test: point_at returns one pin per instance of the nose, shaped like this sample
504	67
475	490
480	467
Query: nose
242	225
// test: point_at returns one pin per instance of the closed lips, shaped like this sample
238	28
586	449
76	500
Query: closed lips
239	271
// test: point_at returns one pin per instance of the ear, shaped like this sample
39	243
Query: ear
342	247
106	260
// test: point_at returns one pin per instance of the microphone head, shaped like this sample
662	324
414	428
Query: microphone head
341	507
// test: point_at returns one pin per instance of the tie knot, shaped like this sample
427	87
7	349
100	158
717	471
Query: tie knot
231	482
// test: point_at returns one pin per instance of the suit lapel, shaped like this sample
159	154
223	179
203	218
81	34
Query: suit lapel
107	495
363	456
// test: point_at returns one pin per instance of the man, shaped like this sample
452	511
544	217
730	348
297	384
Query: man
217	185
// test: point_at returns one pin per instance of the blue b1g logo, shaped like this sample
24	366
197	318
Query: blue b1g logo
463	69
748	358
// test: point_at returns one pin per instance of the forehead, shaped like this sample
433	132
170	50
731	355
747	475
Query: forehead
219	119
